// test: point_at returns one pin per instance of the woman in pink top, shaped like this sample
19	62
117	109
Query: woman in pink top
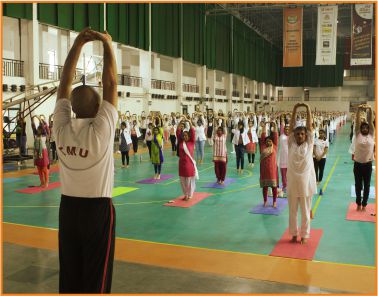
187	165
363	155
220	154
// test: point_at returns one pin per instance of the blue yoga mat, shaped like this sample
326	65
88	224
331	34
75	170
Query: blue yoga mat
227	182
269	210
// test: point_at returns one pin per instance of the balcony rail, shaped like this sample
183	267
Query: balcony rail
235	93
13	68
190	88
128	80
359	74
220	92
164	85
46	73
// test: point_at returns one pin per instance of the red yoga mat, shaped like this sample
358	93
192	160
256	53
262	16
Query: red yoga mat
354	215
51	171
285	248
179	202
37	189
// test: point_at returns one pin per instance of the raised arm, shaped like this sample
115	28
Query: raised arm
293	117
309	118
109	73
358	120
370	119
68	73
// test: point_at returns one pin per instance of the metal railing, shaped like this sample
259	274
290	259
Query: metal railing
129	80
359	74
13	68
190	88
235	93
220	92
56	73
161	84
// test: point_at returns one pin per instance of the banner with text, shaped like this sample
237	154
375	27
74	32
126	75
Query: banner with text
292	41
326	35
361	41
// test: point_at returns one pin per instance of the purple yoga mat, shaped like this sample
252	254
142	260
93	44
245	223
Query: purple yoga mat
269	210
227	182
153	181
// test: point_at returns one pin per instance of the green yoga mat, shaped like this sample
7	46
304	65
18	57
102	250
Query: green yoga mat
117	191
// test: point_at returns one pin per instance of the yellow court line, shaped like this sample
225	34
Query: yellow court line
207	249
325	186
261	267
237	190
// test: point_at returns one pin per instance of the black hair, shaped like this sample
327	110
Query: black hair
300	128
155	128
242	124
268	138
364	124
123	123
220	128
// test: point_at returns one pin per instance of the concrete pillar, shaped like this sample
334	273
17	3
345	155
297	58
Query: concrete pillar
211	76
145	73
32	65
241	87
228	87
178	66
339	93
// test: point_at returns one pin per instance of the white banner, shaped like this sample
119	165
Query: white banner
326	40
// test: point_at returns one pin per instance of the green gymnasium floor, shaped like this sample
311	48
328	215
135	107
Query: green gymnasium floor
221	221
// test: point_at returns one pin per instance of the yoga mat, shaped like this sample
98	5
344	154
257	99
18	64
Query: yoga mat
179	202
354	215
215	185
371	193
51	171
285	248
153	181
37	189
117	191
10	180
269	210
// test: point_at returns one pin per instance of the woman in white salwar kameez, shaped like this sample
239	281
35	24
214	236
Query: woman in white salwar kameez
301	179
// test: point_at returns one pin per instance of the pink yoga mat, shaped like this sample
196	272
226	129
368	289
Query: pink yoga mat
285	248
51	171
353	215
179	202
154	181
37	189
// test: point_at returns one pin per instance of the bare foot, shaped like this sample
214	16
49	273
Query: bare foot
185	197
190	197
265	204
294	239
275	205
158	177
221	182
363	209
358	208
303	241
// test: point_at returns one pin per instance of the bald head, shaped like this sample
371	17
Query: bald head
85	101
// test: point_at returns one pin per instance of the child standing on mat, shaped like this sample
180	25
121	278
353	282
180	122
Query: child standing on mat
157	157
363	155
268	163
301	180
251	146
41	157
187	165
220	154
124	145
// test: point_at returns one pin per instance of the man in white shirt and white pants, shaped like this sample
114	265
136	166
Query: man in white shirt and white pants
301	179
85	149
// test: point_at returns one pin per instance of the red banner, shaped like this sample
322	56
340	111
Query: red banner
292	37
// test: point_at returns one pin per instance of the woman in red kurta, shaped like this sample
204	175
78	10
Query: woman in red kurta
187	165
268	164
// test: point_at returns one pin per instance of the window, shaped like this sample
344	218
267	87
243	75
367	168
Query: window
52	60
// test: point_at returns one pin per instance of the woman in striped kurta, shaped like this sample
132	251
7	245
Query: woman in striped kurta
220	154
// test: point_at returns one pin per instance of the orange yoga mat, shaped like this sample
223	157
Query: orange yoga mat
179	202
366	216
285	248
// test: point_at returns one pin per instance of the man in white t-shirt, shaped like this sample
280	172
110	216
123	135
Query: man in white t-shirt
363	155
85	149
320	154
301	180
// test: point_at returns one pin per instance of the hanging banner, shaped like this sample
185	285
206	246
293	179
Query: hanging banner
292	41
361	41
326	35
